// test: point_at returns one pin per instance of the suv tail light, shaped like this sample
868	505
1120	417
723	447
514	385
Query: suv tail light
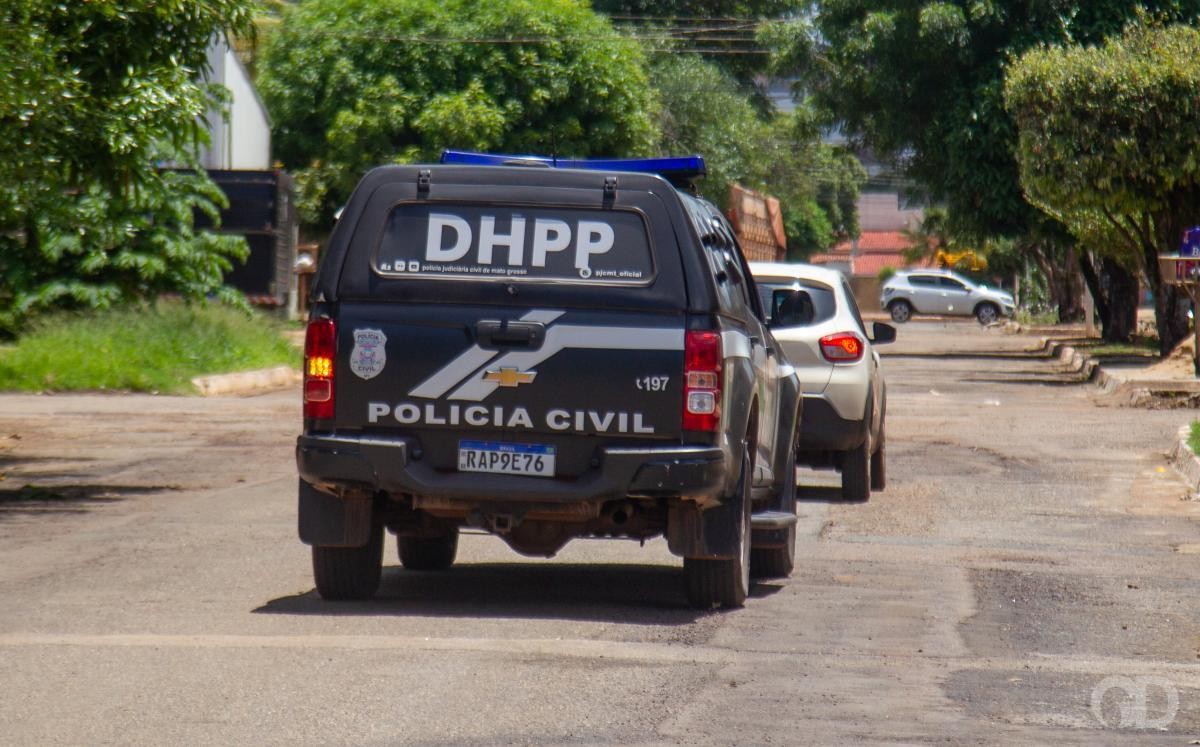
844	347
320	346
702	363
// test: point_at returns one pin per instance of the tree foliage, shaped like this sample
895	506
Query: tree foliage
724	32
1108	140
925	81
92	97
705	110
355	83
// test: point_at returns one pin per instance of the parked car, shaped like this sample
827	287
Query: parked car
944	293
543	350
845	396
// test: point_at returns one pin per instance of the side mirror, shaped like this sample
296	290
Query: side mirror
882	334
791	308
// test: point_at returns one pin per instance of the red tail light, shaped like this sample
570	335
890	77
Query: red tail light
844	347
320	347
702	362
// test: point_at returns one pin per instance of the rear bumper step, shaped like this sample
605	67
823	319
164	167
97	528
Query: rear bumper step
388	465
772	520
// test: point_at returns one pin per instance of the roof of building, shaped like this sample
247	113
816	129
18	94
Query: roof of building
870	264
877	241
873	251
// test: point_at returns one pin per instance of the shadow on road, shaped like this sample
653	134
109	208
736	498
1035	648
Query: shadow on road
629	594
831	494
68	499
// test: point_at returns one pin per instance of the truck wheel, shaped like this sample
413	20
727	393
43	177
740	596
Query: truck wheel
346	573
428	553
856	474
879	463
724	582
778	562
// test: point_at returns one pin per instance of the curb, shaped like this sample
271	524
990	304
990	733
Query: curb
247	382
1184	461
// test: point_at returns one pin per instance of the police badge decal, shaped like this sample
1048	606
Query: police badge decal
369	354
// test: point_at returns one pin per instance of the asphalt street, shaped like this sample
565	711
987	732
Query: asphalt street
1031	575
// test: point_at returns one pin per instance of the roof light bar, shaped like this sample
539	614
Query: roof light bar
681	168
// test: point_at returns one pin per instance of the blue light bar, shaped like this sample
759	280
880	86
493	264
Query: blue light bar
674	168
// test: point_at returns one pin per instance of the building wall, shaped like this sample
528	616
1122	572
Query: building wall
241	138
881	211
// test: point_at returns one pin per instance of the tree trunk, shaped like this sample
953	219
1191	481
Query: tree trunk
1120	323
1171	317
1171	303
1063	280
1115	291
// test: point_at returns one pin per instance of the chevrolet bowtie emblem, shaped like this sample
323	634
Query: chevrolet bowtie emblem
509	377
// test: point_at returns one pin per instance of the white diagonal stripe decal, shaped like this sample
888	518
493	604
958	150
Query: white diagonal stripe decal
470	361
567	336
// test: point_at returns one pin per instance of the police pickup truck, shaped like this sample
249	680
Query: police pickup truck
543	349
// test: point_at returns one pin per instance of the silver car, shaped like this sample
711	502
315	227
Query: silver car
944	293
815	319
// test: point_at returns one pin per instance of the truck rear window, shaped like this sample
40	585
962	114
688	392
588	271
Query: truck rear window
503	242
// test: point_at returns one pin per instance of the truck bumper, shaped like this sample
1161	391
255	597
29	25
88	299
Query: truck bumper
389	465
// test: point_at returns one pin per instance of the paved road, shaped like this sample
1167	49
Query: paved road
1032	545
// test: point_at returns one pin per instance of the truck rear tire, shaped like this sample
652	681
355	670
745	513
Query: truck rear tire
349	573
724	582
428	553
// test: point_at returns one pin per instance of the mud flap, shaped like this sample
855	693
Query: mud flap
327	520
713	533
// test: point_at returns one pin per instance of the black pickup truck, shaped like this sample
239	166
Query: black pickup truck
543	353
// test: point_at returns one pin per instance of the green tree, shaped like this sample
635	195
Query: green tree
924	82
724	32
92	97
352	84
1109	145
705	110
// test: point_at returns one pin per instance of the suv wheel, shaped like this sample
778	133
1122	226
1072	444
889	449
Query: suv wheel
724	582
901	311
987	313
344	573
428	553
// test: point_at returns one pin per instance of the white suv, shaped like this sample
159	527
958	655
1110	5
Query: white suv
816	321
942	292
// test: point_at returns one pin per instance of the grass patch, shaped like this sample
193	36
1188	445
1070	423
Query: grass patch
1145	347
155	348
1194	437
1038	319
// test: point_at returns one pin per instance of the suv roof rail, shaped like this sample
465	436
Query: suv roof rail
679	170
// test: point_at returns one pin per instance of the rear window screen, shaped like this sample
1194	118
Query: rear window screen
513	243
824	303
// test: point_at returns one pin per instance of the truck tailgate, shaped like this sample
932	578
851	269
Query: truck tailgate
509	380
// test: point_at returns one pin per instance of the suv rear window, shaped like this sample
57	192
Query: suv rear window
510	242
823	300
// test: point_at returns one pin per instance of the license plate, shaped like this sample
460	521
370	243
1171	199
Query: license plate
506	459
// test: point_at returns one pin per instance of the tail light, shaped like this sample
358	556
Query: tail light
320	346
844	347
702	362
